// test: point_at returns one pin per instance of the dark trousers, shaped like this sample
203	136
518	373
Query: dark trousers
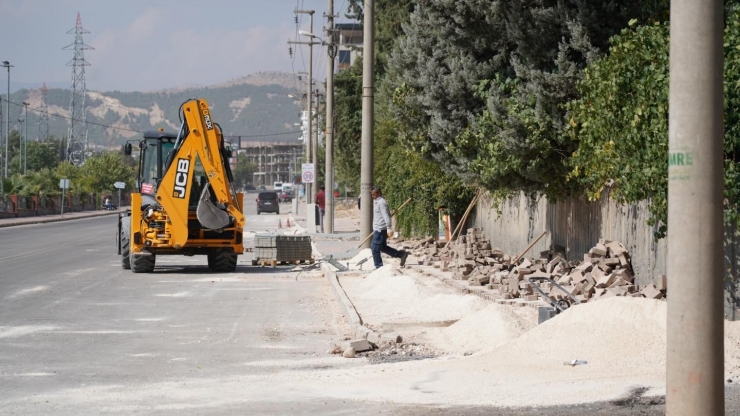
380	245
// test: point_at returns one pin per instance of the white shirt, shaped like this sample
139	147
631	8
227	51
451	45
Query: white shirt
381	215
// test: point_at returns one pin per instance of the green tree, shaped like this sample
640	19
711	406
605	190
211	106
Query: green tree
41	156
348	125
100	172
243	172
480	85
621	120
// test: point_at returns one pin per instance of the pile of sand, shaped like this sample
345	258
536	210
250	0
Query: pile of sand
488	328
388	296
613	335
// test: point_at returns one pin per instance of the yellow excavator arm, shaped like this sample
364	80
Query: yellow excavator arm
200	140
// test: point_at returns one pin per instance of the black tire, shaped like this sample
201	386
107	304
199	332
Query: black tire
222	260
125	243
142	263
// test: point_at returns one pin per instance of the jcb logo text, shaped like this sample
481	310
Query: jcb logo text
181	178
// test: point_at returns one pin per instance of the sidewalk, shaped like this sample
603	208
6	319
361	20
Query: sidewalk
68	216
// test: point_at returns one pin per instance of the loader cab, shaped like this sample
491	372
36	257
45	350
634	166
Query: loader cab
155	148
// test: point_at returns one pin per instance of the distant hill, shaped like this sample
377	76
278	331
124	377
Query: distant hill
255	105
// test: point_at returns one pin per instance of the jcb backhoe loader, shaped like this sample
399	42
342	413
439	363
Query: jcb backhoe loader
185	202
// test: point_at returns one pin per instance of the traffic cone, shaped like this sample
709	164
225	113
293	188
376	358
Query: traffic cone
280	224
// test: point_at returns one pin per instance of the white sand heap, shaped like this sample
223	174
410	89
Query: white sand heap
491	327
386	295
615	335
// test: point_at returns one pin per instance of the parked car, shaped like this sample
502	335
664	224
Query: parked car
268	202
262	188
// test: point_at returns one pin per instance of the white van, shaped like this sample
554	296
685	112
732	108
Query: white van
278	186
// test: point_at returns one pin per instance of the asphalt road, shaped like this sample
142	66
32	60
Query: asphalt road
80	335
74	324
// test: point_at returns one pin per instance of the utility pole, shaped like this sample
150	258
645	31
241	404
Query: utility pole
315	143
368	112
25	140
7	64
309	188
329	171
695	265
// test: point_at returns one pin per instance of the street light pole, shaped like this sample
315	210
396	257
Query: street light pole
309	157
20	143
7	64
25	140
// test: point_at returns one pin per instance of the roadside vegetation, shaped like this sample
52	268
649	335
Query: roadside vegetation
565	99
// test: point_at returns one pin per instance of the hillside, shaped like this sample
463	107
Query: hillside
254	105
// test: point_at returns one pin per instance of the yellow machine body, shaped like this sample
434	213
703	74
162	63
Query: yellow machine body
186	204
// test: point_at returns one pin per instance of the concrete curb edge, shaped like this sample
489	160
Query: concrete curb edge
48	218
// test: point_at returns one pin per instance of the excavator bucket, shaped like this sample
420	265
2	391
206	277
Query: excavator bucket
209	215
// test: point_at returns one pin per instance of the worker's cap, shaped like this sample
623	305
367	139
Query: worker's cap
376	188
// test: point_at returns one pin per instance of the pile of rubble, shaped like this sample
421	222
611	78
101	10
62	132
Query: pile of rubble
605	271
385	351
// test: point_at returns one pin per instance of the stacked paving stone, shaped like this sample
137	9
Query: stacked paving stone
605	271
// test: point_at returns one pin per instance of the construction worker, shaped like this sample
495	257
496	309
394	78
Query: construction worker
382	229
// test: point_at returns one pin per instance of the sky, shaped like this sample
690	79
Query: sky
149	45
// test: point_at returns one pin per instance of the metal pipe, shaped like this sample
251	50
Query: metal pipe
695	265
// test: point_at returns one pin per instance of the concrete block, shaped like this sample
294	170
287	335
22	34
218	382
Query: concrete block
597	273
615	249
359	345
625	274
661	283
565	280
618	282
598	251
611	262
544	313
590	279
577	289
606	280
651	292
617	291
586	266
624	260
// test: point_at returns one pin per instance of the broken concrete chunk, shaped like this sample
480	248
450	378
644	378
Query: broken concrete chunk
359	345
